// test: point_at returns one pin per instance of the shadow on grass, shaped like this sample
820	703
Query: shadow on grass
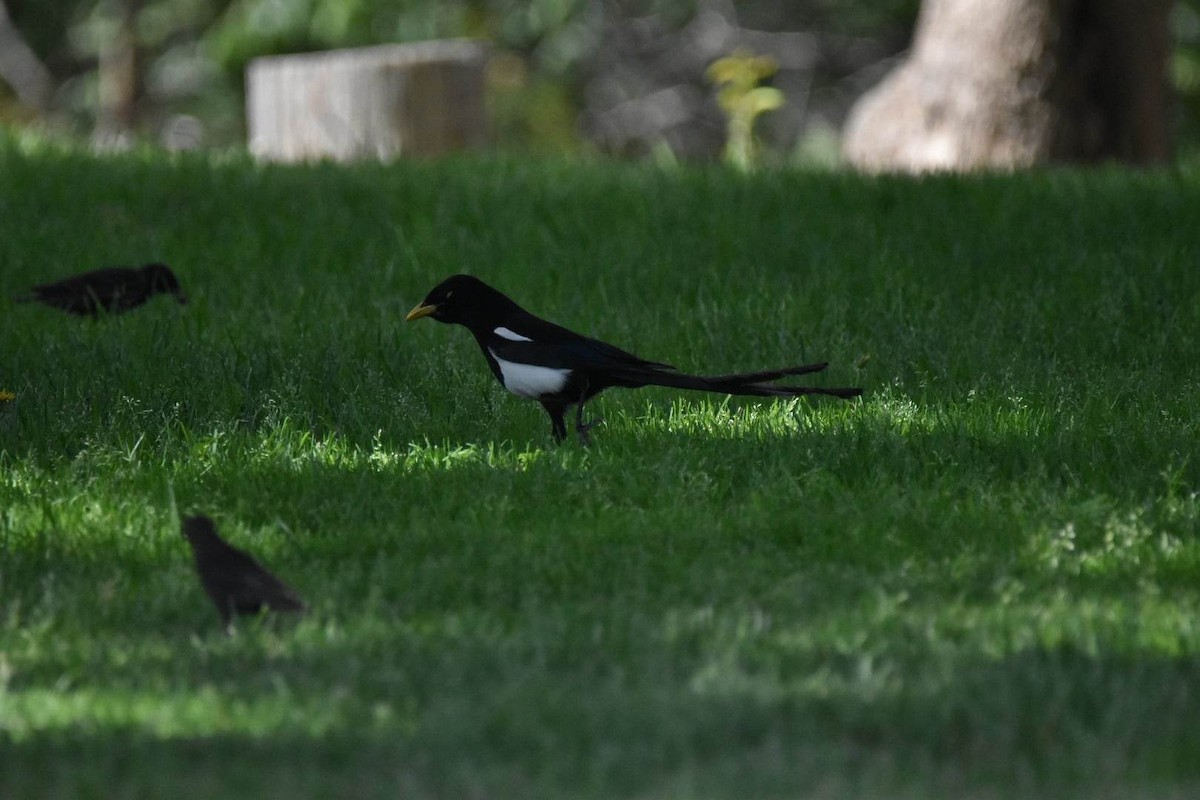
1044	722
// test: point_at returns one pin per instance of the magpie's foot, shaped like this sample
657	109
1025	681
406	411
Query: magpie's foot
583	428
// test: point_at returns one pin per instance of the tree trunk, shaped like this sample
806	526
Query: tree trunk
120	78
421	99
21	68
1013	83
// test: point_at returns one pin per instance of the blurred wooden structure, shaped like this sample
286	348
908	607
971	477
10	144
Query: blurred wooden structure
422	99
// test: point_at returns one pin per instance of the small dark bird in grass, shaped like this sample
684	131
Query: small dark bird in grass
112	290
236	582
542	361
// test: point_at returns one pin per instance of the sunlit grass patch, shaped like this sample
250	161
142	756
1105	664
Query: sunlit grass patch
166	715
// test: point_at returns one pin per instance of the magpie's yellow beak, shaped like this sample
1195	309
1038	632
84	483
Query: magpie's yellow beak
420	311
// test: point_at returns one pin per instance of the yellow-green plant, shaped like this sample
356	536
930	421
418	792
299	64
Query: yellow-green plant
742	99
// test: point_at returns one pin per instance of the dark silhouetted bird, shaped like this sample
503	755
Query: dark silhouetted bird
542	361
112	290
236	582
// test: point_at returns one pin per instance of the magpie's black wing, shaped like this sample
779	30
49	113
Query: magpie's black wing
611	366
559	348
577	353
547	336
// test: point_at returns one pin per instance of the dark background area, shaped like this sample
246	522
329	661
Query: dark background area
567	76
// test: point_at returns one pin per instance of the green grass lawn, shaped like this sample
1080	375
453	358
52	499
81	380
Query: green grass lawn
982	580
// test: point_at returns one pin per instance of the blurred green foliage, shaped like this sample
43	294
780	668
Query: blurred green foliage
743	100
192	53
1185	73
877	18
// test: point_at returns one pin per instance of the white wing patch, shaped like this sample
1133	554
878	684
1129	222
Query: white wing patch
527	380
505	333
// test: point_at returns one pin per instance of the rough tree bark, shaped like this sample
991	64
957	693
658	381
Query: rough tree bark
1012	83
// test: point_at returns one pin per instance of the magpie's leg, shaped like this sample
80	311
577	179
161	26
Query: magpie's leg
582	427
558	423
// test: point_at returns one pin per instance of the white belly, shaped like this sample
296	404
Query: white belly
527	380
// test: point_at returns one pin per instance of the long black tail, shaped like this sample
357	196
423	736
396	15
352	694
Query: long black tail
752	384
767	375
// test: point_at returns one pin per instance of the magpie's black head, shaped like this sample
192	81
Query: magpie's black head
161	280
201	533
465	300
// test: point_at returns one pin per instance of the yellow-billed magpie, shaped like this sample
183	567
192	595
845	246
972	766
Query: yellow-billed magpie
559	368
112	289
